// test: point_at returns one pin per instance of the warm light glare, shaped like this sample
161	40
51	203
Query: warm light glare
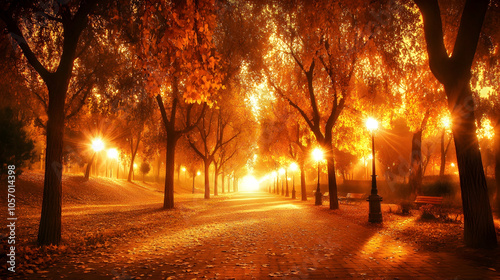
198	173
112	153
183	169
317	154
452	164
282	171
446	122
249	183
371	124
97	145
294	166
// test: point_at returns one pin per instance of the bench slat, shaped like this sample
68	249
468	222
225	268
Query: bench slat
429	200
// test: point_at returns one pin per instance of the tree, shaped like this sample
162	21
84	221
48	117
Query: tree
324	45
175	48
15	146
453	71
68	20
145	168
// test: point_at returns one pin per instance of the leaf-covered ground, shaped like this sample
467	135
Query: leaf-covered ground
115	229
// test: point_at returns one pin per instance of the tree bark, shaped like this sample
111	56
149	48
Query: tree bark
303	188
332	180
89	165
216	191
49	231
207	179
416	163
497	164
168	199
134	152
222	179
454	73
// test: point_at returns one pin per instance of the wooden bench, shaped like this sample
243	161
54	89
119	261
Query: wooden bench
352	197
433	200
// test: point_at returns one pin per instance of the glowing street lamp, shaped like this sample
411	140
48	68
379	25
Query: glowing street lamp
293	168
375	213
318	156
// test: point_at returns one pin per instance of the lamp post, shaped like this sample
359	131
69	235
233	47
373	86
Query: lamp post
375	213
293	168
318	156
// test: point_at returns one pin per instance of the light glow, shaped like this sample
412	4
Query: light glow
249	183
317	154
294	166
97	145
113	153
371	124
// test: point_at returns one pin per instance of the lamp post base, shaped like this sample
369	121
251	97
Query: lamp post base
375	214
319	198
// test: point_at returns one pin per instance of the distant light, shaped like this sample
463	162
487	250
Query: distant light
282	171
97	145
371	124
183	169
446	122
249	183
275	173
317	154
370	156
294	166
198	173
112	153
452	164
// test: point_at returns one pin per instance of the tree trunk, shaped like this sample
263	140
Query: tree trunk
479	229
134	152
443	156
332	180
49	231
287	194
89	165
303	188
216	191
497	164
168	200
416	163
222	178
207	179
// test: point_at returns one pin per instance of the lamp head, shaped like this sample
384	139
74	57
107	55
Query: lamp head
371	124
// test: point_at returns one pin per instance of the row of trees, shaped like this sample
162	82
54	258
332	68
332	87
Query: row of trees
336	63
189	65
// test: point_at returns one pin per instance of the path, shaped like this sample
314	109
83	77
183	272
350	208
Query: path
260	236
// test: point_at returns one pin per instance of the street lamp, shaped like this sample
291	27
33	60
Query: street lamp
293	168
318	156
375	213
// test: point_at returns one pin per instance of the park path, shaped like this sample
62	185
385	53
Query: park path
260	236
